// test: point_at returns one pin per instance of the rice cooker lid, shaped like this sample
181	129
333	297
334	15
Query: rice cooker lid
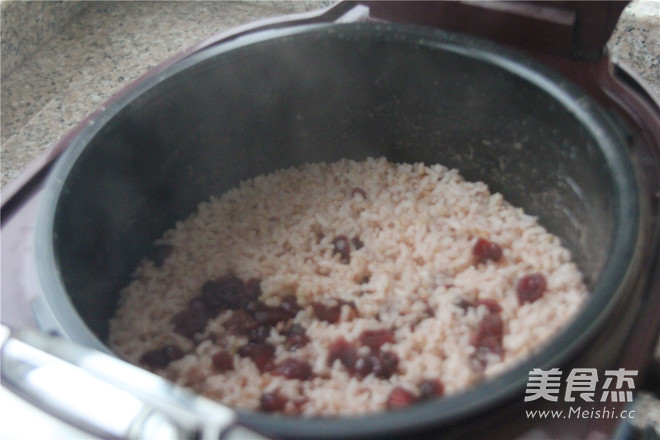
573	29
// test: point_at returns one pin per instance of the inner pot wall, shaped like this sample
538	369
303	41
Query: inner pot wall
321	93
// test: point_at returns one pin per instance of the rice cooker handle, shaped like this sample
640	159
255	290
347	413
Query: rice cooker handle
107	397
569	29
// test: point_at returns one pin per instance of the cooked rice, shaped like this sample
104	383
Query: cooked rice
418	225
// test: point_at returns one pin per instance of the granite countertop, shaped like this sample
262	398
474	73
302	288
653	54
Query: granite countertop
95	50
62	60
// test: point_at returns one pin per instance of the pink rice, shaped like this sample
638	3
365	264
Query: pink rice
418	225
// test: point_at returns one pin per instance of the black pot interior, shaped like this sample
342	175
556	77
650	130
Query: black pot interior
322	93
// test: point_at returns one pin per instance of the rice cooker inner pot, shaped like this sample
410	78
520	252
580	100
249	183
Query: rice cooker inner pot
320	93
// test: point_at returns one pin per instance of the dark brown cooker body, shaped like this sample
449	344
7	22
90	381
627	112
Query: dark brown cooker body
324	92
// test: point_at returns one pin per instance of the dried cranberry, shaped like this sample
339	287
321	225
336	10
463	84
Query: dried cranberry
259	334
530	287
272	402
253	289
357	243
486	250
223	361
492	305
363	366
253	306
383	364
261	353
331	314
399	398
490	344
342	247
375	338
344	351
211	294
240	324
266	315
428	310
327	313
359	191
161	357
190	321
295	330
293	369
290	306
296	337
197	304
227	292
431	388
161	253
488	337
491	324
465	304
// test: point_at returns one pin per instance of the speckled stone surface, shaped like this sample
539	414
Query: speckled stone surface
43	20
636	41
105	45
104	48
